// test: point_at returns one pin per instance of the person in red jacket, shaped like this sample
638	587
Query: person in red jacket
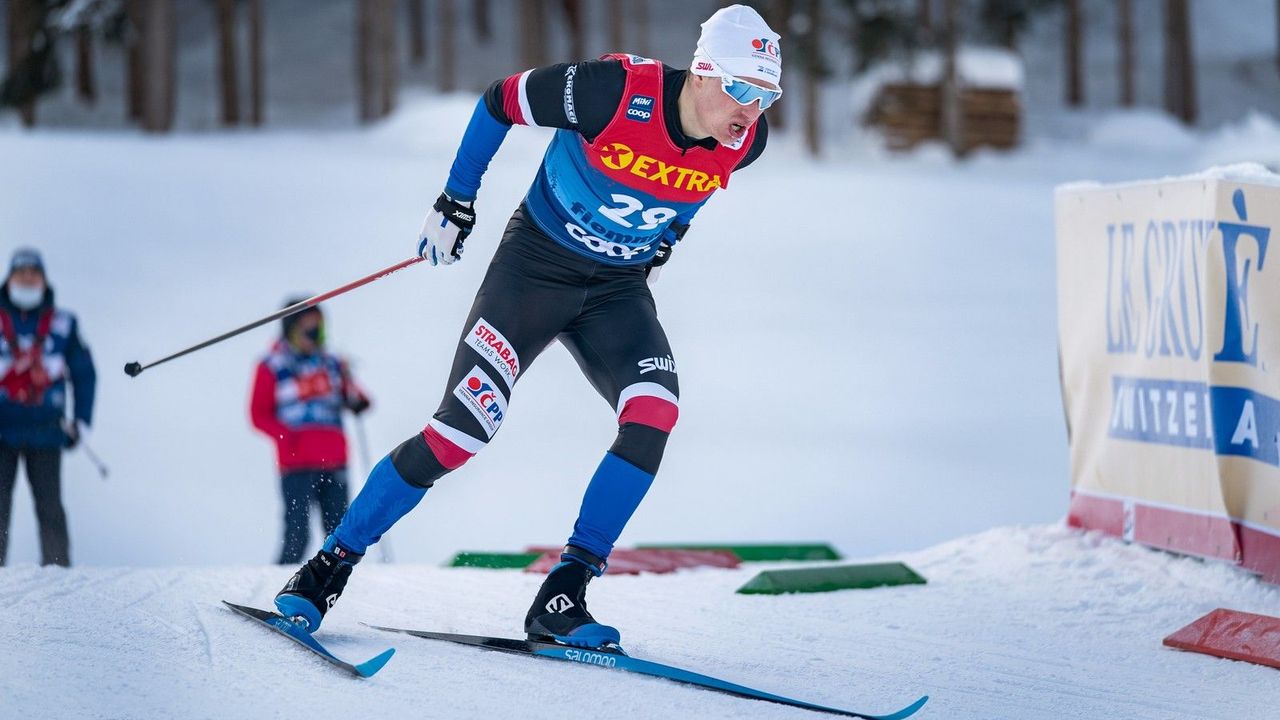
299	392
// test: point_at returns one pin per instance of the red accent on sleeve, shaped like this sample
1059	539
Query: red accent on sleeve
511	100
450	455
652	411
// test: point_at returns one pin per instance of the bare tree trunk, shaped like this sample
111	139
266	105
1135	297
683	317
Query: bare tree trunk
1179	69
227	75
86	88
387	58
255	63
577	29
1278	34
813	80
158	65
616	14
417	31
366	85
779	18
1075	78
640	29
533	35
448	28
952	118
21	20
137	88
924	16
1125	28
480	16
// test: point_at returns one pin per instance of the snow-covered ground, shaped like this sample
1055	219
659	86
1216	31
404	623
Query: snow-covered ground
867	353
1030	622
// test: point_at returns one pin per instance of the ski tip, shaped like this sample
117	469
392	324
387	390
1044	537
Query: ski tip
369	667
907	711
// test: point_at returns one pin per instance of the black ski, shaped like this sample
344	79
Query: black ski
614	658
298	634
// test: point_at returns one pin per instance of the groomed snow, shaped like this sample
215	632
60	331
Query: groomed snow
1029	622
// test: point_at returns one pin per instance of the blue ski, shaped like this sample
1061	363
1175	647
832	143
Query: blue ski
298	634
614	658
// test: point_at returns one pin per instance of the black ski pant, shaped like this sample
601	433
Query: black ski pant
328	489
44	473
536	292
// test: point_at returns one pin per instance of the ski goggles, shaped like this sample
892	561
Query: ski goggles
745	92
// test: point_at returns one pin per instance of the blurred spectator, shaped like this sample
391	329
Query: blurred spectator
299	392
40	350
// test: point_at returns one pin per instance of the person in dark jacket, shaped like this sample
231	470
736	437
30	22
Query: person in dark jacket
40	354
299	392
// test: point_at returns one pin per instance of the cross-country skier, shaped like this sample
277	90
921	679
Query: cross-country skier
639	148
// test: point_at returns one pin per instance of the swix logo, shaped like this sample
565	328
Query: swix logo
640	108
704	65
617	156
479	394
765	46
559	603
490	343
657	363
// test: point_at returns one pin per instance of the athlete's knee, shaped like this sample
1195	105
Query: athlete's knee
647	412
429	455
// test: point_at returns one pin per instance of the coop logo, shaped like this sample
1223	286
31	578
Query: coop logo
765	46
490	343
480	395
640	108
617	156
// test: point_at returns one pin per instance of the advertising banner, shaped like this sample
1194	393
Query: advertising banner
1169	342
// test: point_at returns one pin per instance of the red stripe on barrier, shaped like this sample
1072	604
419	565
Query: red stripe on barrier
511	99
652	411
1094	513
446	451
1182	531
1232	634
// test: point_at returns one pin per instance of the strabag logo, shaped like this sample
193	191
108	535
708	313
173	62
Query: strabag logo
640	108
480	395
490	343
617	156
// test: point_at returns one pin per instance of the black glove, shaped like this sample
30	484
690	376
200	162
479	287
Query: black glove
358	404
71	434
674	233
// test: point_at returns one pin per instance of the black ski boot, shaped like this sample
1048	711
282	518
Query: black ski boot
559	612
317	585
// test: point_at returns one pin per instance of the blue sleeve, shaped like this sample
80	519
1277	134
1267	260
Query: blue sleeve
84	379
480	142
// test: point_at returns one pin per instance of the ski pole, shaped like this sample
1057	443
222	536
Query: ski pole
93	458
134	368
362	442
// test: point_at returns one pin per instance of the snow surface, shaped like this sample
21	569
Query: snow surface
867	353
1031	622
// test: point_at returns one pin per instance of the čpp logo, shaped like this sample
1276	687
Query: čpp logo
616	156
484	394
766	46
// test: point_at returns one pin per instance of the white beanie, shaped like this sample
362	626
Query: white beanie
737	41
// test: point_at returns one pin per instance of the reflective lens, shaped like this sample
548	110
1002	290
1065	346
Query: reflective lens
745	93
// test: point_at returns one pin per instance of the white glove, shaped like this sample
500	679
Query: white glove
443	232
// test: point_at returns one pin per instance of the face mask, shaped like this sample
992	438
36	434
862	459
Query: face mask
315	335
26	297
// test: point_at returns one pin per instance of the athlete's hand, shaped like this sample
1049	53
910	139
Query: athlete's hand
443	232
660	258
